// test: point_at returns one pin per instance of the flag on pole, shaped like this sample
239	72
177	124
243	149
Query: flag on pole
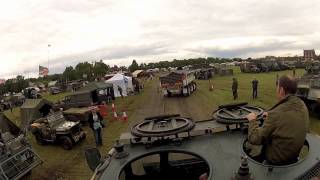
43	71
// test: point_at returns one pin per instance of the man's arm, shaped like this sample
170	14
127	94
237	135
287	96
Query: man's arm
257	135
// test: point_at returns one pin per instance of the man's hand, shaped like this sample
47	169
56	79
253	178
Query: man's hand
265	114
251	117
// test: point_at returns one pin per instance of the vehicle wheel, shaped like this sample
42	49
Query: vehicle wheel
169	94
84	136
66	142
195	86
39	140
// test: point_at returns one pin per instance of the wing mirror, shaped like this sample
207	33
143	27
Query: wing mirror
93	158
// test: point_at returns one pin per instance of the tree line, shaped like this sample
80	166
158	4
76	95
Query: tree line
91	71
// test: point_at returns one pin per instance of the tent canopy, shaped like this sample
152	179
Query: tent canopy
33	109
122	81
7	126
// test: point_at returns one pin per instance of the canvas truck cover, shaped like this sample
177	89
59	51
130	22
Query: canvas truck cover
96	85
33	109
7	126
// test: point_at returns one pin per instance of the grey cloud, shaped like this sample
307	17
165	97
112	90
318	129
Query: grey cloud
163	27
245	51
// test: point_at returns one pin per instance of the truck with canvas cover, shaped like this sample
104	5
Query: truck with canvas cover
180	82
92	94
33	109
249	67
17	158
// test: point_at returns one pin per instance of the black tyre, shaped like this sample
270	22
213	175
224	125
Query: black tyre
195	85
39	139
189	90
84	136
169	93
66	142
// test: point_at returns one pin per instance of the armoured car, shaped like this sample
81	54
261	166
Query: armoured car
309	88
17	158
174	147
54	128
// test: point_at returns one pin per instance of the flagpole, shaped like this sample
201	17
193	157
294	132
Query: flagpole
49	45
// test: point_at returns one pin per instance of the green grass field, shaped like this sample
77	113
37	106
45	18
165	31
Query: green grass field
61	164
222	93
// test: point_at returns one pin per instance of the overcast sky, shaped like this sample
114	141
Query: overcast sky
118	31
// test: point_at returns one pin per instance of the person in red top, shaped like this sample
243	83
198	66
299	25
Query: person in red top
103	109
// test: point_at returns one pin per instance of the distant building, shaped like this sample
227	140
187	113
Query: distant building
309	54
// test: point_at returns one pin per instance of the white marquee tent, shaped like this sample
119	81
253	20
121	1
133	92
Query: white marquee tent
123	81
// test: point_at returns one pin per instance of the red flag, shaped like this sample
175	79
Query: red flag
43	71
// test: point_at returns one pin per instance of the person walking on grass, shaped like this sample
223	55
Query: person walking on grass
95	122
234	88
120	91
255	88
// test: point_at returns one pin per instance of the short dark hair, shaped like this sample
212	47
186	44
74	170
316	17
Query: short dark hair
289	84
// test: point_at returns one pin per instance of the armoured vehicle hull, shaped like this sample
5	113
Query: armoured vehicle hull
172	147
221	153
309	88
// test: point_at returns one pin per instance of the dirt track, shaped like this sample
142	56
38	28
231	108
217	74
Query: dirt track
155	104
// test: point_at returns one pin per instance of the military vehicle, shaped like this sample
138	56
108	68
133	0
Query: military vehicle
174	147
249	67
283	66
300	64
17	158
92	94
54	128
223	70
31	93
77	114
309	88
272	65
204	73
54	90
263	67
17	99
180	82
4	106
33	109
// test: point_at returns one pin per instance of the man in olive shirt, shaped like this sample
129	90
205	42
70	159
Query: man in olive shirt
255	83
284	130
234	88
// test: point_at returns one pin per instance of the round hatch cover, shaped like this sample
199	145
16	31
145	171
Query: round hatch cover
236	113
162	126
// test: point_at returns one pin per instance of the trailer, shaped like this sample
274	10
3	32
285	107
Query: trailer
17	158
180	82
